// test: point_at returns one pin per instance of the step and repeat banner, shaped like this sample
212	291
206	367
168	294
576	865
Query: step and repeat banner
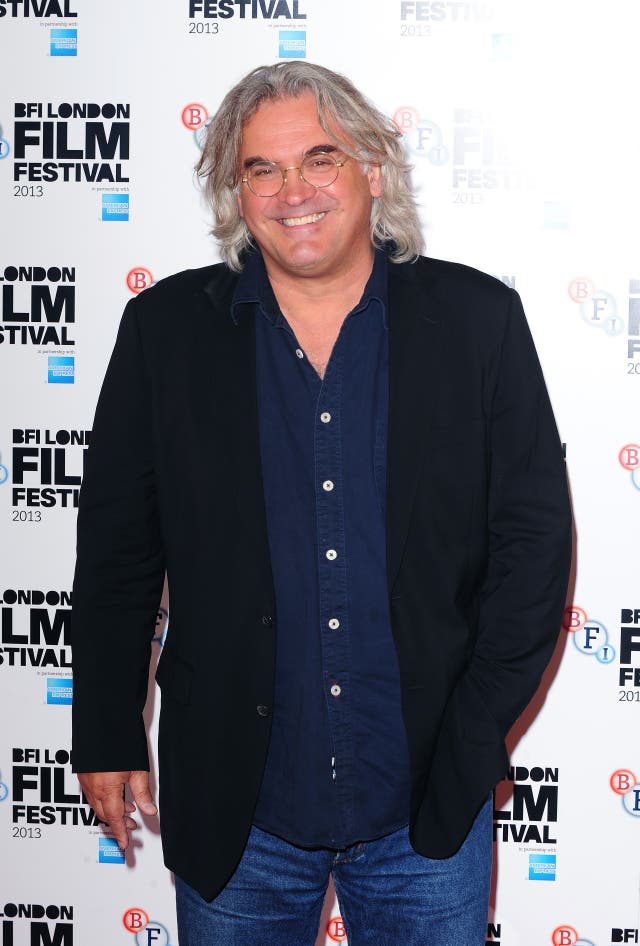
520	119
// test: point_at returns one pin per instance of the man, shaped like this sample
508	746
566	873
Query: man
354	481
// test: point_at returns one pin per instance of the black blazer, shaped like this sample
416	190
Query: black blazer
478	540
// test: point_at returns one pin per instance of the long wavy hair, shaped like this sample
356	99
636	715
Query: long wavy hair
370	137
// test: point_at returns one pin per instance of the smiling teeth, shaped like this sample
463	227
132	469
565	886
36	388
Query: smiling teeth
300	221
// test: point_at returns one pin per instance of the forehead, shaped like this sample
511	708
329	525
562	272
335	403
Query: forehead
283	128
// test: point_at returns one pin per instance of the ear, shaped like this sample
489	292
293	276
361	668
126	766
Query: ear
239	199
374	176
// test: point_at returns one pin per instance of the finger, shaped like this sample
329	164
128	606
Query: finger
139	784
113	807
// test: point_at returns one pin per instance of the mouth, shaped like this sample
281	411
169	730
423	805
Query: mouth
302	221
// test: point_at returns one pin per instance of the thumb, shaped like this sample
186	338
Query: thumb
139	785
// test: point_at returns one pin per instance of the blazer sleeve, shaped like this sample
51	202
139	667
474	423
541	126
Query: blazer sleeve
522	596
529	525
120	567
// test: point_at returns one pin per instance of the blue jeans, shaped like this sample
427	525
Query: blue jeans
388	894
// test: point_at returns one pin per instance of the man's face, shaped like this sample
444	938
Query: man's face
305	231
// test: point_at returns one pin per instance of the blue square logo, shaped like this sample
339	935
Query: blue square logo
59	691
293	44
61	369
63	42
542	867
115	206
109	852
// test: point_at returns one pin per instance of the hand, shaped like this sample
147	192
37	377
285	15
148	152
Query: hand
105	794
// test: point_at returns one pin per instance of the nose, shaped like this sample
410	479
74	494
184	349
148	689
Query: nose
295	189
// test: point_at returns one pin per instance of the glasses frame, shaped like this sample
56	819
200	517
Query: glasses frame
297	167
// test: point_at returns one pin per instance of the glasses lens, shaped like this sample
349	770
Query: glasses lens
265	179
319	169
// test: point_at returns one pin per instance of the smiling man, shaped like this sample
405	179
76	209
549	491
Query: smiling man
353	479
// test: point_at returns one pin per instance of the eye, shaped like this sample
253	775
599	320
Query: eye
319	162
263	172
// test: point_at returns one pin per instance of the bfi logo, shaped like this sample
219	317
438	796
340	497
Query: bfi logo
422	136
590	637
597	307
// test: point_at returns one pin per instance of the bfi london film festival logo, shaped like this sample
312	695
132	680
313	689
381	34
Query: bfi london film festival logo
569	936
35	636
146	932
77	143
590	637
422	136
629	460
36	923
526	813
47	470
483	159
45	792
38	310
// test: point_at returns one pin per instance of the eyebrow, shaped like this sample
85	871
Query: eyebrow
316	149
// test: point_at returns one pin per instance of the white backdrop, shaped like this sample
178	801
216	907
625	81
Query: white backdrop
521	121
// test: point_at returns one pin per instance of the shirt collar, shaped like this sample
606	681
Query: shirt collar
254	288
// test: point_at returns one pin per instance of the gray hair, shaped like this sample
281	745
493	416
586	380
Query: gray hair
372	138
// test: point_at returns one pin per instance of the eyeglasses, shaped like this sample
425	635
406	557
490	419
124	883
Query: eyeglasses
266	179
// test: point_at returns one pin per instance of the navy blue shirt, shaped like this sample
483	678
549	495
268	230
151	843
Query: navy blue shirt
337	769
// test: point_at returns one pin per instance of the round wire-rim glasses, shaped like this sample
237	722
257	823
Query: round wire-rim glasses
266	179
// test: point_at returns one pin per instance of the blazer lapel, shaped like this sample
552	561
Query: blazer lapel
236	369
414	372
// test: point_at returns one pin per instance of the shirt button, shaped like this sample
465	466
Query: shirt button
335	690
325	417
262	710
327	486
299	353
331	554
267	620
334	624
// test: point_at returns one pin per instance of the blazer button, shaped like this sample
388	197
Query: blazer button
263	710
267	620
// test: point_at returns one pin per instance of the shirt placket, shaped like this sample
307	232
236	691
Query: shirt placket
333	584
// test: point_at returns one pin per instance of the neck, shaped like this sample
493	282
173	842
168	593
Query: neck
321	301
